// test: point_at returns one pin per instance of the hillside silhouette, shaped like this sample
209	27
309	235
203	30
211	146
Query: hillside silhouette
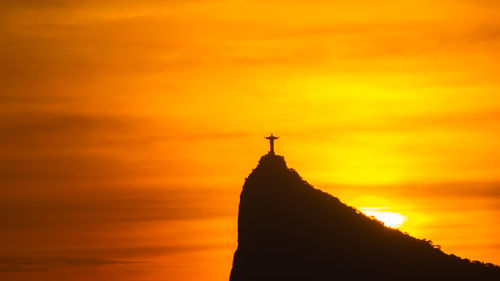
288	230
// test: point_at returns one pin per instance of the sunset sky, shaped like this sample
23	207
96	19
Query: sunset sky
127	128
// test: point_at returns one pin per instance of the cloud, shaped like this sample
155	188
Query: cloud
110	204
80	148
19	264
35	128
432	191
57	4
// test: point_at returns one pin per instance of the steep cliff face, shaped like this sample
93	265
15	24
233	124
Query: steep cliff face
288	230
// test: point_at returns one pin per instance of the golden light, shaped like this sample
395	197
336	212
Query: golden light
390	219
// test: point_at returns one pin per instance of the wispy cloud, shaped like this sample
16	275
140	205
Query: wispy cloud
19	264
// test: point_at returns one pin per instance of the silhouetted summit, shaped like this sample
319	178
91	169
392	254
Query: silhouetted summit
288	230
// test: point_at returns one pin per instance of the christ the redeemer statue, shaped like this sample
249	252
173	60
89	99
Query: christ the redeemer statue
271	139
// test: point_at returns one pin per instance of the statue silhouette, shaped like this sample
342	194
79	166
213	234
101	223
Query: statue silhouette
271	139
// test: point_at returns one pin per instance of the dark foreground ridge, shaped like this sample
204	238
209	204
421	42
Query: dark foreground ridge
287	230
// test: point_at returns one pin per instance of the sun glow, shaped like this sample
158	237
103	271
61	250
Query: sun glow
390	219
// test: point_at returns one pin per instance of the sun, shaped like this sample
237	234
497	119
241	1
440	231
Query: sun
390	219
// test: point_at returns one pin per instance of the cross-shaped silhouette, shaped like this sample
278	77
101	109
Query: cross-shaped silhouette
271	139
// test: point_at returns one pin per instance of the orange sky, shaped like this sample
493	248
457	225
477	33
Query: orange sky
127	128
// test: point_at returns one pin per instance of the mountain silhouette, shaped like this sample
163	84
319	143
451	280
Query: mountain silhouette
288	230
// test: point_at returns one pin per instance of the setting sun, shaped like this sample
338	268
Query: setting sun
391	219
